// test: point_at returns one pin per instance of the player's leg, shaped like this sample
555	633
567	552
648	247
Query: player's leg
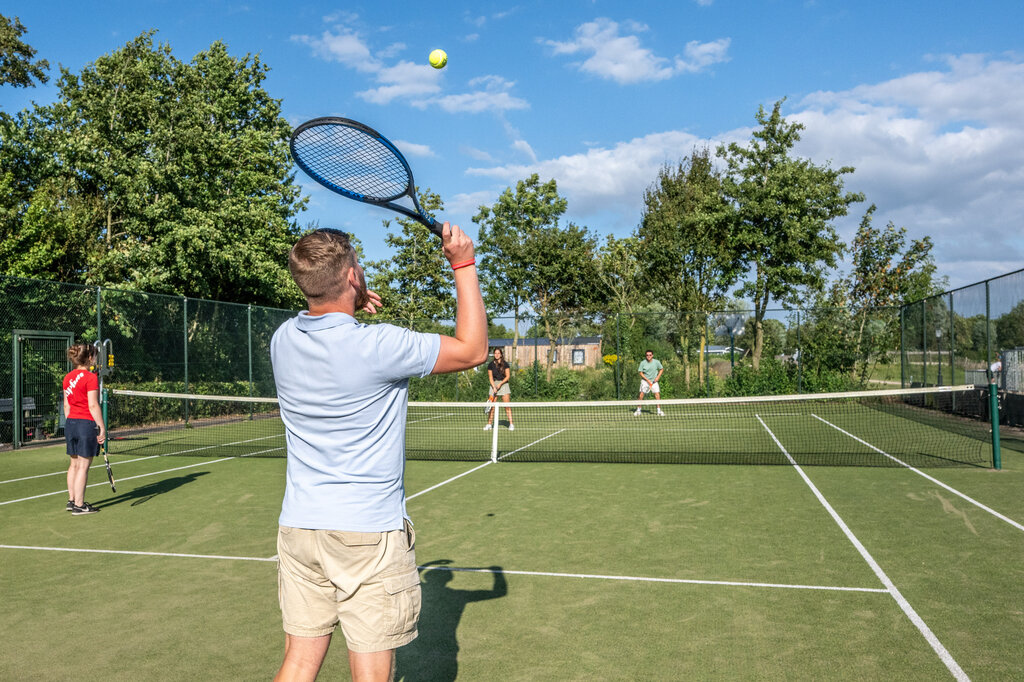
303	657
377	666
508	410
78	476
657	401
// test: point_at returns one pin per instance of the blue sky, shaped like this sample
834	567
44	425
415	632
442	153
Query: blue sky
924	99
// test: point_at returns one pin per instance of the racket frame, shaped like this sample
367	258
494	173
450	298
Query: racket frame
384	202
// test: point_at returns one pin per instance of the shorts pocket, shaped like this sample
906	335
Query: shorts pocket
354	539
404	599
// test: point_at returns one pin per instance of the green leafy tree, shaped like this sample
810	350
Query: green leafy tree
415	284
687	254
506	229
886	271
619	273
1010	328
562	281
159	175
783	212
16	66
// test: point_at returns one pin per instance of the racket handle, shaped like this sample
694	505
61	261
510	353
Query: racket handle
434	226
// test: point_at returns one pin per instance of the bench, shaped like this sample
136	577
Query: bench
29	422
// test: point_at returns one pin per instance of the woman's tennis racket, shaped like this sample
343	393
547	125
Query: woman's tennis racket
357	162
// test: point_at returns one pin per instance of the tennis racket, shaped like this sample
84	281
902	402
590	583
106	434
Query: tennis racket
110	474
491	398
357	162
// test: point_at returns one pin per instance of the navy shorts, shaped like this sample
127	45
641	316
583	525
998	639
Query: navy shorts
80	435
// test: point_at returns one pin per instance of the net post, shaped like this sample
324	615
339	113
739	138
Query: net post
993	411
494	430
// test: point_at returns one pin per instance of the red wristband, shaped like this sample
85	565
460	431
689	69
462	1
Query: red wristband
464	264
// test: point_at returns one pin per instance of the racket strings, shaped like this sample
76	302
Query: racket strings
352	161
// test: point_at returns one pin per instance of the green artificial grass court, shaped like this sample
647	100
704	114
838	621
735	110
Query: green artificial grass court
532	571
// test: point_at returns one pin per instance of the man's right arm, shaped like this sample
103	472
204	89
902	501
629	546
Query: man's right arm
468	347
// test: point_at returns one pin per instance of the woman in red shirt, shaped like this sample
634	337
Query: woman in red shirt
82	408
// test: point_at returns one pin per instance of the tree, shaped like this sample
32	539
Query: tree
619	273
783	208
160	176
1009	328
415	283
885	273
505	232
16	66
562	280
689	259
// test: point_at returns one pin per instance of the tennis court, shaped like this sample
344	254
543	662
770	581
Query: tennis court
779	568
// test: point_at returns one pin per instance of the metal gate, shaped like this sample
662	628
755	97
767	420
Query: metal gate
39	360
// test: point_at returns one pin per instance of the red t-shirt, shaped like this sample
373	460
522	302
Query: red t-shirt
77	385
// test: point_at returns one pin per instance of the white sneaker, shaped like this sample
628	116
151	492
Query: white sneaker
487	427
511	427
637	413
660	413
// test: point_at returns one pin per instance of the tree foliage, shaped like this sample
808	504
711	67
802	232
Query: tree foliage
689	256
16	66
527	258
415	283
505	229
153	174
783	212
885	273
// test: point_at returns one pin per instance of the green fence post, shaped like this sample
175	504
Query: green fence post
993	410
184	341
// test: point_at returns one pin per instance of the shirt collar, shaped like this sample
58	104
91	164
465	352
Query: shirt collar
312	323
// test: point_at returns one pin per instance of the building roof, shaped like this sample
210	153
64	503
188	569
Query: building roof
530	342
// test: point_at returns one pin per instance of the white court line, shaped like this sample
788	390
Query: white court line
922	627
65	471
532	444
121	480
545	574
633	578
172	454
921	473
125	551
426	419
453	478
466	473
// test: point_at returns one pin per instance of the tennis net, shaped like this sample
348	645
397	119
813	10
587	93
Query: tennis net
941	426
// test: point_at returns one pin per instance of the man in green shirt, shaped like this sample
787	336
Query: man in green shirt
650	371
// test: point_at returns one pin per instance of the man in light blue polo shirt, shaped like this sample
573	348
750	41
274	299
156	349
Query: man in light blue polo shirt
345	545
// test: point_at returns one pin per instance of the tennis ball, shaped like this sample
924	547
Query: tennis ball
438	59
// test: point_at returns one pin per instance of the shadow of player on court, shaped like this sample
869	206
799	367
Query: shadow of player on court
144	493
433	655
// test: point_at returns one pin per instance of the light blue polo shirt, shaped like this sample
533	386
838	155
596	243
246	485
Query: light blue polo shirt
343	387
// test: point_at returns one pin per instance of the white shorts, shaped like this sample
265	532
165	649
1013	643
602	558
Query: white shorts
647	388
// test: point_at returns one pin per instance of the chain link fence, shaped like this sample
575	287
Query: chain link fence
177	344
955	337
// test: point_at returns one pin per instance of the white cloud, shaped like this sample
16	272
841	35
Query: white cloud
524	147
624	59
491	94
345	47
416	83
403	80
940	152
603	179
414	149
468	204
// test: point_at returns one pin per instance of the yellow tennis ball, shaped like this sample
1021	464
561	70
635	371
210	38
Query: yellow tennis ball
438	59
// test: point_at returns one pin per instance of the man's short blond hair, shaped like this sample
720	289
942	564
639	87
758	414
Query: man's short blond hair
319	263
